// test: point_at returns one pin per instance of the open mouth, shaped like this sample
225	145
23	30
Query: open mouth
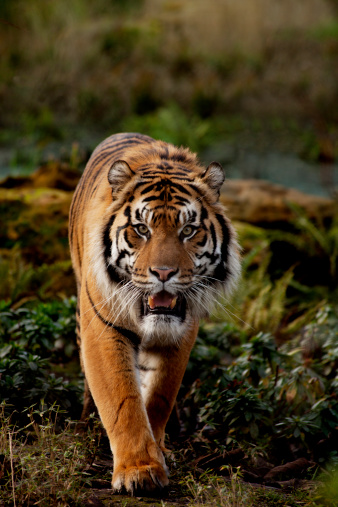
163	303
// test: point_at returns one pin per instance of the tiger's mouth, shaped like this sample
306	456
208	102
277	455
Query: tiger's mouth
163	303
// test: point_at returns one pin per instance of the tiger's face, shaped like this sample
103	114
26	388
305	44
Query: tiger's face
168	248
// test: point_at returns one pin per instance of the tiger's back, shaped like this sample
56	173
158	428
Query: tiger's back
151	246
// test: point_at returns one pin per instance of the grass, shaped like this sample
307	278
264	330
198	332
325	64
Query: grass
261	380
41	463
45	465
216	491
269	401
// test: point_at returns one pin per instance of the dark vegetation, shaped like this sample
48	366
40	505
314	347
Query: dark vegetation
258	403
258	406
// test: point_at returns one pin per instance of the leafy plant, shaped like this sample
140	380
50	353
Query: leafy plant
263	302
269	394
26	380
44	329
29	338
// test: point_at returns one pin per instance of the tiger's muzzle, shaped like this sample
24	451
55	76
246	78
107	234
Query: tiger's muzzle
164	303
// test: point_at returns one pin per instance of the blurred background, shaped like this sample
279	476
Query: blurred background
252	83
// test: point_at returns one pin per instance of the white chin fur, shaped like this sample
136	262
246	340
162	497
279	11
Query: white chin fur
163	329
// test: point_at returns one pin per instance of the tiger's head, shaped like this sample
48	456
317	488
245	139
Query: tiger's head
167	247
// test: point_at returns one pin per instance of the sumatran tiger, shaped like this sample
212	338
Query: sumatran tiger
151	248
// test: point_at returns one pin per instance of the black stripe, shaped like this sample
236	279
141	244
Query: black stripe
127	240
165	154
132	337
204	214
203	241
150	198
121	256
113	274
213	234
141	367
163	398
179	187
222	271
151	187
208	255
178	157
120	407
196	189
181	200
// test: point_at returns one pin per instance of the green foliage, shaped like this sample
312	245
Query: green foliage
29	339
42	329
260	301
213	345
173	125
327	494
272	394
327	32
26	381
287	276
212	490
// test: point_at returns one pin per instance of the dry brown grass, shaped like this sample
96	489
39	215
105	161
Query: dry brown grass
245	25
90	62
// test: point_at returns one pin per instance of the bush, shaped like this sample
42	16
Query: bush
29	339
272	395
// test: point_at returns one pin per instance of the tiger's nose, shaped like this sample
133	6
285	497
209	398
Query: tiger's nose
163	273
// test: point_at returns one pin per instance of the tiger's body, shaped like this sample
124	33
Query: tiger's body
150	246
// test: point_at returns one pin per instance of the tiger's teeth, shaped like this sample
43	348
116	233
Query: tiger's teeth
173	303
151	302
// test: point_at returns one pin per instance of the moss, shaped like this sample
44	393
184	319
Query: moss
36	222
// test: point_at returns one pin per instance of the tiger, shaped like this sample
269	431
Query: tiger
151	248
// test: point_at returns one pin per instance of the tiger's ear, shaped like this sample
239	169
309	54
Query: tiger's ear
119	174
214	177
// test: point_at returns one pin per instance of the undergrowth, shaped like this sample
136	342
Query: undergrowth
32	340
261	380
282	399
239	392
42	464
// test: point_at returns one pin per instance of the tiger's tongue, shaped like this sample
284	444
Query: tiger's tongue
162	299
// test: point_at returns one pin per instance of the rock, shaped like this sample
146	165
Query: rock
292	469
262	203
256	202
54	174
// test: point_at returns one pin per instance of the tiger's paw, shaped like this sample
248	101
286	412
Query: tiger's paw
140	478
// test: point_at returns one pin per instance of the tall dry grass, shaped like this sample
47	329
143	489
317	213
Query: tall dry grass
91	61
246	25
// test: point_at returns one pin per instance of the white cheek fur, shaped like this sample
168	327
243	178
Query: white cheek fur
154	329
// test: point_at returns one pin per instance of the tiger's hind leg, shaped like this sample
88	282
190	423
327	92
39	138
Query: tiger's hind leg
89	406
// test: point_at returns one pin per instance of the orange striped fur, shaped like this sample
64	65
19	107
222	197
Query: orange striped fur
151	247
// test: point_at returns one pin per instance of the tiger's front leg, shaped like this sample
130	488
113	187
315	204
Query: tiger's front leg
162	370
109	361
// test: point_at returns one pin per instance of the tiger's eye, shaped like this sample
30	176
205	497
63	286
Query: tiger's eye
142	229
187	230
